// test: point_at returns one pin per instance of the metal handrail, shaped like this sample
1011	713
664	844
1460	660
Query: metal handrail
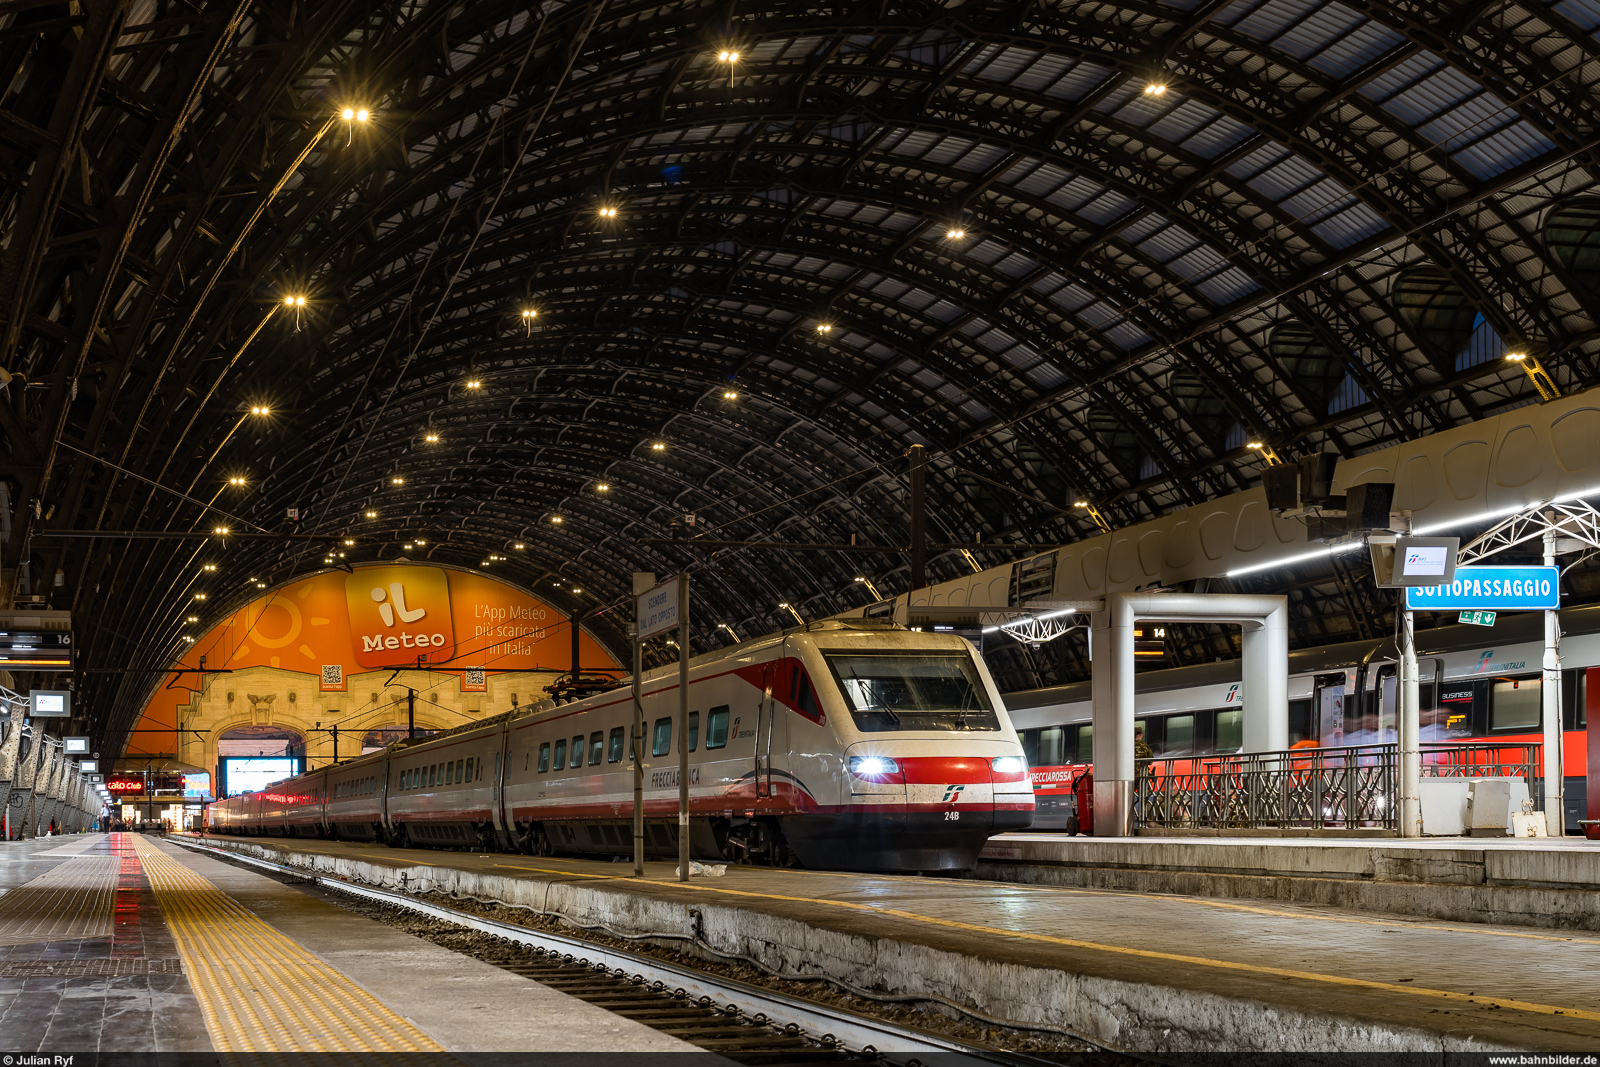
1348	787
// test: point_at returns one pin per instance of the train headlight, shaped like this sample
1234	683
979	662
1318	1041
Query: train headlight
873	766
1008	765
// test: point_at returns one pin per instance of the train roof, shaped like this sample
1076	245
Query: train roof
1512	629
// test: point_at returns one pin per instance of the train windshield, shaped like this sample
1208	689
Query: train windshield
913	691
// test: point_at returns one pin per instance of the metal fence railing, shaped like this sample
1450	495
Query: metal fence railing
1334	788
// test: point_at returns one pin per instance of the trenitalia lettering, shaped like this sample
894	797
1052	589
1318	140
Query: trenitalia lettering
379	642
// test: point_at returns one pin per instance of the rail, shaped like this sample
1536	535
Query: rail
1347	788
834	1027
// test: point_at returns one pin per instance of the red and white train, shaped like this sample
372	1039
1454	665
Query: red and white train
852	745
1478	685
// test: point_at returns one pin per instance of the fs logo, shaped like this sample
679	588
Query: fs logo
1483	662
1233	694
398	614
952	793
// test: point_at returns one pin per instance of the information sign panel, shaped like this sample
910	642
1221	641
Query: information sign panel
1491	588
658	609
49	703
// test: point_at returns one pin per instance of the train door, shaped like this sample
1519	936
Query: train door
766	711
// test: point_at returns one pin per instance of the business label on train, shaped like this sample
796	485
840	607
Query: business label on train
1490	588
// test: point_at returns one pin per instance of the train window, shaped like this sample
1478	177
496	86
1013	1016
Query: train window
614	745
661	741
1230	730
1180	736
1086	744
577	751
597	745
459	765
560	757
544	757
913	691
1514	704
717	727
1052	746
469	770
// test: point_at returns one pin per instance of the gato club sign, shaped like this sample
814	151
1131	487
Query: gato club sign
398	614
125	785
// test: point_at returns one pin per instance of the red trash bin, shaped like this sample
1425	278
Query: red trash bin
1084	788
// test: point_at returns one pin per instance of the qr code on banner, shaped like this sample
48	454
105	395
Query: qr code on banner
474	675
332	674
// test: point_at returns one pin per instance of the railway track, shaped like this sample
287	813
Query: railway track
744	1023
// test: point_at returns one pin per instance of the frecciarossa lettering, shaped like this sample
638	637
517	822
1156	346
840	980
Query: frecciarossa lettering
378	642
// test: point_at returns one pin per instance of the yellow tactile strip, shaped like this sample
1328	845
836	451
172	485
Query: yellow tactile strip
259	991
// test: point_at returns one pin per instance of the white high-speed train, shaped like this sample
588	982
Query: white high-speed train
851	744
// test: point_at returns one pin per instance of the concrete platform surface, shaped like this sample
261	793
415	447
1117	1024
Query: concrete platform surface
1138	971
90	961
1543	882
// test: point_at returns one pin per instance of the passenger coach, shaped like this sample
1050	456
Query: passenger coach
850	745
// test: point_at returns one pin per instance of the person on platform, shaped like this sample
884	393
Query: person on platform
1141	748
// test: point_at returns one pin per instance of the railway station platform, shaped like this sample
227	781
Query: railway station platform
126	943
1142	972
1546	882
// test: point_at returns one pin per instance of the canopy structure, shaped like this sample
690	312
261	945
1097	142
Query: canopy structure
571	273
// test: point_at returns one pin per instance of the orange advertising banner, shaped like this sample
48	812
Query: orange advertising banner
380	617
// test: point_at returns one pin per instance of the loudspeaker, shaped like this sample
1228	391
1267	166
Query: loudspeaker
1316	477
1320	530
1282	483
1367	506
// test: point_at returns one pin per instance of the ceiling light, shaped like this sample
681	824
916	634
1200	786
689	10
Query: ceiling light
1254	444
420	541
199	596
474	384
1516	356
261	585
209	567
824	327
529	313
348	541
186	637
192	618
729	394
294	301
602	487
260	409
1080	503
220	531
658	446
1154	88
955	233
432	438
397	480
371	514
236	481
575	590
555	519
608	212
406	546
728	57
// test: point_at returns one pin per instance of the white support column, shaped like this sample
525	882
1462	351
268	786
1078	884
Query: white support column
1550	701
1265	674
1410	689
1266	683
1111	691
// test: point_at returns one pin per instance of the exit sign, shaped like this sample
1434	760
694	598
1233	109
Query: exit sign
1478	618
